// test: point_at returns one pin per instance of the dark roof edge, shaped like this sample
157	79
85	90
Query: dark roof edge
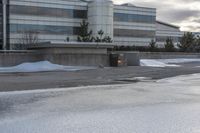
129	5
167	24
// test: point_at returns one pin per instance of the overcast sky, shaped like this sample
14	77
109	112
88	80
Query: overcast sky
184	13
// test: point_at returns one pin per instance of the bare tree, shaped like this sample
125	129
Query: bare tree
29	38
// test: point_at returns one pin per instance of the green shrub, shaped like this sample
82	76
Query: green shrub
187	43
169	45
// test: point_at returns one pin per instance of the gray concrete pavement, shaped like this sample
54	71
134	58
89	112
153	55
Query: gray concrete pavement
28	81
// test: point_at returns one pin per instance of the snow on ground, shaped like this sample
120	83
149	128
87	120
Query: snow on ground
41	66
181	60
166	62
48	66
167	106
155	63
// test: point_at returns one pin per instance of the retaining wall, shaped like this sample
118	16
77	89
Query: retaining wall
13	58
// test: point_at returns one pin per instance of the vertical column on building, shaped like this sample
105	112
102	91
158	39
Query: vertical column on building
1	24
100	17
4	3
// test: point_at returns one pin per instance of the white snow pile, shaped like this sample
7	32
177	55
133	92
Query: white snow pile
181	60
42	66
166	62
155	63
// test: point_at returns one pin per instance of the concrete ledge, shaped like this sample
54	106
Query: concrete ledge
72	48
71	44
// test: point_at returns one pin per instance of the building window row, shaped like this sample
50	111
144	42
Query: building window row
48	12
134	33
164	38
44	29
122	17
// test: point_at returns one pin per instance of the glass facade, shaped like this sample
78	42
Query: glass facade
134	33
164	38
122	17
36	16
44	29
48	12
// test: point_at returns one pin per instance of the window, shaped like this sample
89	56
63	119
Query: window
134	18
164	38
44	29
49	12
134	33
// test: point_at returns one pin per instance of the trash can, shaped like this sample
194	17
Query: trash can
114	60
117	60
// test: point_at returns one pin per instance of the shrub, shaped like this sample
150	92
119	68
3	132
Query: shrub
152	46
187	43
169	45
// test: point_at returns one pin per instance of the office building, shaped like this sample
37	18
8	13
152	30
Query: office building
56	20
165	31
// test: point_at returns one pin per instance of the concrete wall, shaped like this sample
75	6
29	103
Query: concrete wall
13	58
16	58
167	55
78	59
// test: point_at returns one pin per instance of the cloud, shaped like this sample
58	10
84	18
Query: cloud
184	13
197	20
178	15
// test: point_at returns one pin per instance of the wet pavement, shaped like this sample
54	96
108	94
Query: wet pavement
155	106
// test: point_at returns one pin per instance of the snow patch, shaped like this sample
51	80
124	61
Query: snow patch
155	63
41	66
182	60
166	62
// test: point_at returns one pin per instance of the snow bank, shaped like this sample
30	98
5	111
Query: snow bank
166	62
182	60
155	63
41	66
